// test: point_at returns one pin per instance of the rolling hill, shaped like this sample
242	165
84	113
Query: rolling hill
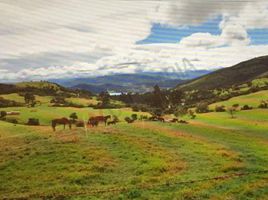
236	75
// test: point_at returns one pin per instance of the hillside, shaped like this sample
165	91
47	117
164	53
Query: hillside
236	75
40	88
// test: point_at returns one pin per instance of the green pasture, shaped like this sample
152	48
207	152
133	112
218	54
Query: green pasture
252	99
143	160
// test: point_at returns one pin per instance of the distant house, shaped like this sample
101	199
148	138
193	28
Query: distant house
111	93
13	113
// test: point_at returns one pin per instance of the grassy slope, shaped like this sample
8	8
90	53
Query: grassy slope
252	99
235	75
35	161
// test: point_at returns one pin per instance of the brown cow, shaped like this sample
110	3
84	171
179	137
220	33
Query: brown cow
63	121
95	120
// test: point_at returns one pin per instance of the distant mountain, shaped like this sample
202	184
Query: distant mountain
138	82
236	75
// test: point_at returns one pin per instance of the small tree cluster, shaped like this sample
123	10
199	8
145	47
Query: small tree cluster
202	107
29	99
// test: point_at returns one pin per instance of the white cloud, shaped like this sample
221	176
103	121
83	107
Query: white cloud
206	40
88	37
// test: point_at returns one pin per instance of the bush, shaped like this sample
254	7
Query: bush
236	105
263	104
129	120
12	120
247	107
202	107
220	108
33	122
134	116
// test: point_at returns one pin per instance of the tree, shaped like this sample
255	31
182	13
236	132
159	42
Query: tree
192	114
73	116
58	100
105	98
29	99
202	107
232	110
156	112
158	99
175	97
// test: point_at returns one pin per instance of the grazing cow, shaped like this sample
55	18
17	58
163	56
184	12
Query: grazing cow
174	120
161	119
157	118
99	119
63	121
93	122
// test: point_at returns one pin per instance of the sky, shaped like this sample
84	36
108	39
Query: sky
79	38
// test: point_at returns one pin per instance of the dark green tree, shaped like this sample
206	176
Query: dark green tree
29	99
105	98
73	116
158	98
175	97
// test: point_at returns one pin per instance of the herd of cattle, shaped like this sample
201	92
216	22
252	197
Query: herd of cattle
94	121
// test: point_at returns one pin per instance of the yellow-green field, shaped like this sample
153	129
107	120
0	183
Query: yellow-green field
213	157
252	99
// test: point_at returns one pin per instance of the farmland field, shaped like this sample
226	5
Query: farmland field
212	157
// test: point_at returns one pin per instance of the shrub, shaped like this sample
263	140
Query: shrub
263	104
236	105
134	117
33	122
129	120
220	108
247	107
12	120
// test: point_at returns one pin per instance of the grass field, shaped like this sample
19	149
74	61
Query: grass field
143	160
252	99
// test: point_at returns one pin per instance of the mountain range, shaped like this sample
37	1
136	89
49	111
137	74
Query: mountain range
136	82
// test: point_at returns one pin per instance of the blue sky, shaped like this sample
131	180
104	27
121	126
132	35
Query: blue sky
166	34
